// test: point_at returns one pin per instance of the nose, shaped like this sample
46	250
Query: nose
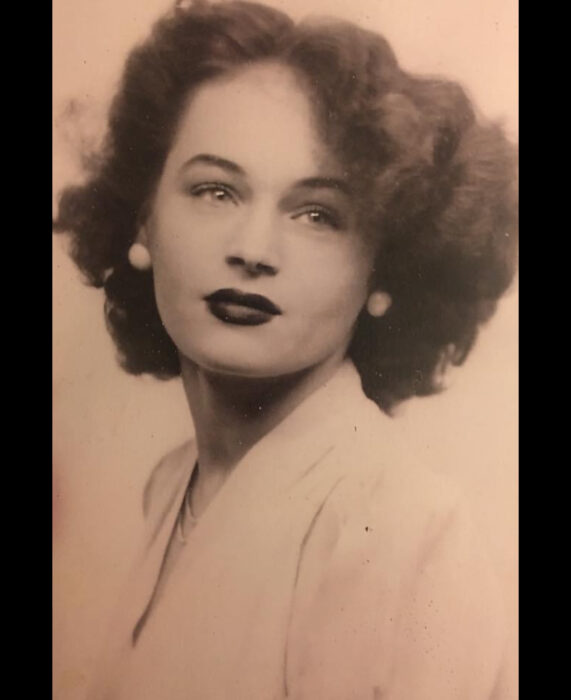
254	247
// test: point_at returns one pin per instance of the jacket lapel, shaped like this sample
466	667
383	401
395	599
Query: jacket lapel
219	630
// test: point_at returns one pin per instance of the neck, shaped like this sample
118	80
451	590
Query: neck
232	413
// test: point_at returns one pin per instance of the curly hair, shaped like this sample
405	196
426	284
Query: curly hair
436	186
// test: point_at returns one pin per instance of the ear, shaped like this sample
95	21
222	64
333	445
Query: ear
379	303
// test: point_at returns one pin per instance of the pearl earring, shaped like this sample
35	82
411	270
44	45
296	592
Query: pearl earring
378	303
139	257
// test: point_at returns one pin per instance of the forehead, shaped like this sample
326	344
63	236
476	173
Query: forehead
259	117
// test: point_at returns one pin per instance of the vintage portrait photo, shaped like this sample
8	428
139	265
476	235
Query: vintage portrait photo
285	241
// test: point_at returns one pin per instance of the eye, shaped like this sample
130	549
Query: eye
213	193
319	217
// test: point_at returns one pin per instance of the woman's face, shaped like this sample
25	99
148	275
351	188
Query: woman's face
259	269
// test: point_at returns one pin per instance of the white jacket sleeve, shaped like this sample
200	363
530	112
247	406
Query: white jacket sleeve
451	639
397	601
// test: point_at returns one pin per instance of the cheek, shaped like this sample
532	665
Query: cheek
177	272
182	254
172	276
336	286
173	230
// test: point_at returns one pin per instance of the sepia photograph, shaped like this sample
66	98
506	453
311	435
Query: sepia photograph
285	351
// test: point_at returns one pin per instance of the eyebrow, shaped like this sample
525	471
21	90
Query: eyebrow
331	183
209	159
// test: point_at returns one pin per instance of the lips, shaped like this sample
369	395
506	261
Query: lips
241	308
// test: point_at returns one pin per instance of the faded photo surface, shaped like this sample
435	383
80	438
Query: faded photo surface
312	544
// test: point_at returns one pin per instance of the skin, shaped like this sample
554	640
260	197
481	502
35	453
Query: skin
251	199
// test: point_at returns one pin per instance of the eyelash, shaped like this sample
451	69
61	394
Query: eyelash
212	187
330	218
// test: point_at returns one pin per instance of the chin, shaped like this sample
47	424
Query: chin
248	358
232	363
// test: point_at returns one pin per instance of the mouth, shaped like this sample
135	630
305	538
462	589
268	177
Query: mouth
241	308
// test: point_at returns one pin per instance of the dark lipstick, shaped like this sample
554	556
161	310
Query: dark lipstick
241	308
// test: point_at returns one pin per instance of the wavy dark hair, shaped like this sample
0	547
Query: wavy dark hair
436	185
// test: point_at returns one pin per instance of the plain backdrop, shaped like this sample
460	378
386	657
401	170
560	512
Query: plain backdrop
110	428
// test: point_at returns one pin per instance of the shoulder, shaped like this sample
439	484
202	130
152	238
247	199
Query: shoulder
390	508
394	561
168	477
386	478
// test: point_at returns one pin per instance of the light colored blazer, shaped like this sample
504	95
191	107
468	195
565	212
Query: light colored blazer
329	566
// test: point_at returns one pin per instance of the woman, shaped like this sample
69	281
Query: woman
286	219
